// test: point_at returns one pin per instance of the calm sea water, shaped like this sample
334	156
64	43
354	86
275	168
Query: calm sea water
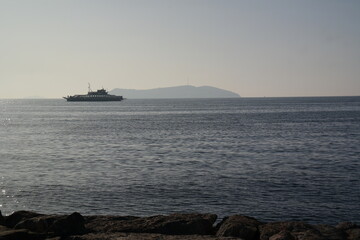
270	158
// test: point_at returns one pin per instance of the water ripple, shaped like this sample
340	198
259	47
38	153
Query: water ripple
274	159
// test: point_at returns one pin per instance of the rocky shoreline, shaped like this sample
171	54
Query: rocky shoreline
26	225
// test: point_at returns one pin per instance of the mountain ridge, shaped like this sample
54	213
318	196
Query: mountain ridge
184	91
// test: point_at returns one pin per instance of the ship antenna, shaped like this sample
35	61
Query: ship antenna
89	88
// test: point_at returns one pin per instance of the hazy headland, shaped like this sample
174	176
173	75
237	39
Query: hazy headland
186	91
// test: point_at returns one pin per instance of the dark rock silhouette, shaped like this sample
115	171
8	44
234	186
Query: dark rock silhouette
18	234
283	235
174	224
68	225
271	229
54	224
175	92
16	217
353	234
351	230
299	230
29	225
239	226
330	232
39	224
2	219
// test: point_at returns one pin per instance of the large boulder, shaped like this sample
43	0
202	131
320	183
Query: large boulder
39	224
68	225
174	224
16	217
239	226
54	224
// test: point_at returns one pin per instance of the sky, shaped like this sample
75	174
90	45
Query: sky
256	48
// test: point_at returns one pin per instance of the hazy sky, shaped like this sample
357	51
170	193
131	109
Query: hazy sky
53	48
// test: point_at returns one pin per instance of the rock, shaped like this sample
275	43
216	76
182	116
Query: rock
69	225
300	230
53	224
351	230
283	235
295	228
29	225
2	219
311	234
16	217
39	224
143	236
176	224
330	232
353	234
97	224
346	226
239	226
14	234
18	234
3	228
181	224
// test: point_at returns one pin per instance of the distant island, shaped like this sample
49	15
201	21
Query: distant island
186	91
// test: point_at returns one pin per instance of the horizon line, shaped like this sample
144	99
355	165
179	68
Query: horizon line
261	97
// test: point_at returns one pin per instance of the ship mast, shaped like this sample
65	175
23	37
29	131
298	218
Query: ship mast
89	88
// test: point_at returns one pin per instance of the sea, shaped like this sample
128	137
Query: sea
270	158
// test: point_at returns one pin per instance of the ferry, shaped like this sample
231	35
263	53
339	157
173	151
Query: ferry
97	96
